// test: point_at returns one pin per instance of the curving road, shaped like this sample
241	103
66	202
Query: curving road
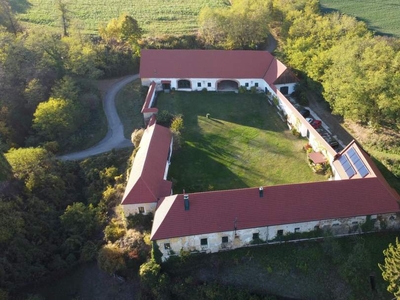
115	136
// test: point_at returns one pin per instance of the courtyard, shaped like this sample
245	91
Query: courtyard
242	144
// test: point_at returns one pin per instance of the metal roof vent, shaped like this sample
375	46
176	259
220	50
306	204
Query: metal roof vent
261	191
186	200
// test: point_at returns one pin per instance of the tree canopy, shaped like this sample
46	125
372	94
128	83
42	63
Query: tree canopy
391	268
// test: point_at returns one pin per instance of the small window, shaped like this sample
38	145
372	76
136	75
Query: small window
335	225
246	84
297	229
256	236
209	84
199	84
224	239
204	242
167	246
354	223
256	84
279	232
141	210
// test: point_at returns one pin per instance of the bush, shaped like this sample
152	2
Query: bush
165	117
242	89
253	90
113	232
136	136
111	259
177	124
140	222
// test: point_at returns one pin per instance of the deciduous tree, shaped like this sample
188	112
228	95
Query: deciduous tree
391	268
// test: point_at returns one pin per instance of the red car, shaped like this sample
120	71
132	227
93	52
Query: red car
316	123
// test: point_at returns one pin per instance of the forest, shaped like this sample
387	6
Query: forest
56	214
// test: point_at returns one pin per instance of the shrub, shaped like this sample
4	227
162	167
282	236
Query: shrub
136	136
177	124
165	117
111	259
113	232
242	89
204	90
140	222
253	89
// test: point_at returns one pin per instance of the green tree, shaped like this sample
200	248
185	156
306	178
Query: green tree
80	220
55	119
61	6
391	268
7	17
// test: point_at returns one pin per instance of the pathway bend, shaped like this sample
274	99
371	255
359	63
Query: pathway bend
115	136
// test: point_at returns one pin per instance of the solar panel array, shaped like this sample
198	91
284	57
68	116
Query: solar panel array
347	166
357	162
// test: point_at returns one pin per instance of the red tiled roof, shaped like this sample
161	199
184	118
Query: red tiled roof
146	181
210	64
285	204
146	105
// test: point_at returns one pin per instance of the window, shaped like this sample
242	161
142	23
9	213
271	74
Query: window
354	223
203	242
209	84
256	84
167	246
297	229
279	233
141	209
246	84
256	236
224	239
199	84
184	84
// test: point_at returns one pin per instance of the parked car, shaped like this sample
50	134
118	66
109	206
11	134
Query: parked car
316	123
309	120
305	113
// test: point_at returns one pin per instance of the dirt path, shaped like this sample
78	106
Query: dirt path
115	135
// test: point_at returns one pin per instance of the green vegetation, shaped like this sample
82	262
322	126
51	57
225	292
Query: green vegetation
129	102
157	17
332	268
243	143
390	270
380	16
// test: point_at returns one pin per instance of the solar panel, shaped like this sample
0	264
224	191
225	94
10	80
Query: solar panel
347	166
357	162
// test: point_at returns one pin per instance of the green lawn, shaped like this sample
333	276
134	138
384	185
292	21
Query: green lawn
156	17
243	144
129	102
381	16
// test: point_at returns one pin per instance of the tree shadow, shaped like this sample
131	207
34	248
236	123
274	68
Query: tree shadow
20	6
376	29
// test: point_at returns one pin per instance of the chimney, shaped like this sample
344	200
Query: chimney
186	199
261	191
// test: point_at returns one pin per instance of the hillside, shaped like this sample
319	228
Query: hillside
380	16
157	17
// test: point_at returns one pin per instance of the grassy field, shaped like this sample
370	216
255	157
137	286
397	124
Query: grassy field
332	268
381	16
155	16
243	144
129	103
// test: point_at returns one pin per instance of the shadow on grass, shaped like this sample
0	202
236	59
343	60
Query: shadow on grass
195	170
393	181
377	30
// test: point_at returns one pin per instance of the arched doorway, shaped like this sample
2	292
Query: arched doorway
227	86
184	84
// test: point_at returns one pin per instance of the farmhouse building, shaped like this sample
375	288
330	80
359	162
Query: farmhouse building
220	220
147	181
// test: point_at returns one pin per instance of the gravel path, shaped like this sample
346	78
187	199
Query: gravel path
115	136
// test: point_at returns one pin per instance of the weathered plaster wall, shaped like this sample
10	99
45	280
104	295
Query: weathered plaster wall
244	237
131	209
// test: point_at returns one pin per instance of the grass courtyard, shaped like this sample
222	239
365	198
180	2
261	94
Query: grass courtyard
243	144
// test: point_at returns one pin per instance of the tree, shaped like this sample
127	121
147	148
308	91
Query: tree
391	268
64	15
55	119
7	18
80	220
125	29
